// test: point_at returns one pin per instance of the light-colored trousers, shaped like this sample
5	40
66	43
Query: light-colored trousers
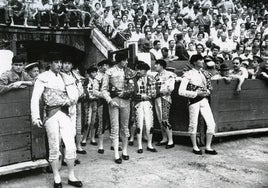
76	115
119	116
204	108
144	113
58	127
92	113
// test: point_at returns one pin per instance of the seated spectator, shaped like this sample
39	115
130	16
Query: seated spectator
42	12
147	40
16	77
16	9
172	50
165	55
156	51
200	49
255	66
191	49
263	72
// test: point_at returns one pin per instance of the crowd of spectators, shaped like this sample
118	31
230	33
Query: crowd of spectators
169	29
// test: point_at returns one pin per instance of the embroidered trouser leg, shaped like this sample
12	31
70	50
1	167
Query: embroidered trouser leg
204	108
92	113
57	127
144	112
119	116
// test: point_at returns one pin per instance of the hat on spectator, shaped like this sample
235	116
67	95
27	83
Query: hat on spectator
31	66
210	64
257	58
162	11
224	67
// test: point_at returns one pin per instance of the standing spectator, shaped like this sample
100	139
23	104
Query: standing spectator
204	19
181	51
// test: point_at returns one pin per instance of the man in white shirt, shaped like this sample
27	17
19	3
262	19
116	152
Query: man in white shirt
156	51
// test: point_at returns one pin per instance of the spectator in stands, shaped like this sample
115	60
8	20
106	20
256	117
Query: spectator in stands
32	69
156	51
204	19
43	12
255	66
16	9
211	67
200	49
147	40
223	73
263	72
172	50
181	51
238	72
15	78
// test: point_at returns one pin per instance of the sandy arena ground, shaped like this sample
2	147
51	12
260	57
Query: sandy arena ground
241	162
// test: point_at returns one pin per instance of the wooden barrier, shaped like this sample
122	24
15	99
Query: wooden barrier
19	140
240	112
234	113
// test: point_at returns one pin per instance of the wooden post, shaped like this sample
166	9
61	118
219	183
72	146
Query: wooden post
110	55
13	47
132	55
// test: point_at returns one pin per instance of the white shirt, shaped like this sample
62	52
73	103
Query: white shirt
194	77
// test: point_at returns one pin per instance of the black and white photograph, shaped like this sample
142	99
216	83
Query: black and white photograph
134	93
